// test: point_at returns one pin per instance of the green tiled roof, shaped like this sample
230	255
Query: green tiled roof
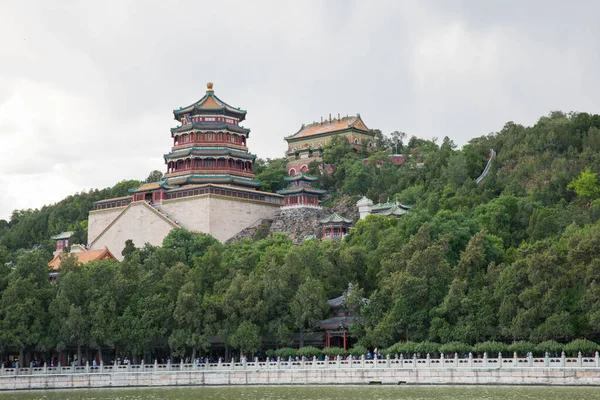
335	217
301	189
209	151
62	235
222	179
210	103
210	126
301	176
394	210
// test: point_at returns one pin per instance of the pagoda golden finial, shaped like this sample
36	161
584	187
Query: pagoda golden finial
209	87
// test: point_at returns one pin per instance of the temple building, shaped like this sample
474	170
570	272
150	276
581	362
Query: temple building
307	144
337	327
387	209
300	192
82	254
335	227
208	187
62	241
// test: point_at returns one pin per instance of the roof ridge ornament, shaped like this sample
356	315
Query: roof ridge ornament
209	87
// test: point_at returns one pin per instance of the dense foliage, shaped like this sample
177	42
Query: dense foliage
490	266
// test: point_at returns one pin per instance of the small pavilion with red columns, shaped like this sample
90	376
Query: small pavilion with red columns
337	327
300	192
335	226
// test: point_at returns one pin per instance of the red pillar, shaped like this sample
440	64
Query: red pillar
345	348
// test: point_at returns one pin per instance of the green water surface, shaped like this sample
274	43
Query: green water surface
318	393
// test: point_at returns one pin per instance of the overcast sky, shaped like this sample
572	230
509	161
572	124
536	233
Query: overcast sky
87	88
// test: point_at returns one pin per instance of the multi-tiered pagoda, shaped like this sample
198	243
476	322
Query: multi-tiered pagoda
210	145
208	187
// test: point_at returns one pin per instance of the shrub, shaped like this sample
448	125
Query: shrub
425	348
285	352
521	348
333	352
406	348
270	353
492	348
581	345
358	350
308	351
456	347
549	346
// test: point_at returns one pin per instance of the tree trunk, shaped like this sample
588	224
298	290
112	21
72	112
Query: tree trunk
193	354
100	361
78	354
21	357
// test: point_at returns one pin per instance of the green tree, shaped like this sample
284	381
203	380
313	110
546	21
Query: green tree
586	185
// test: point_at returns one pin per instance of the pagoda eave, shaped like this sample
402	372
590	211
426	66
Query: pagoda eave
240	114
208	153
302	190
206	127
220	179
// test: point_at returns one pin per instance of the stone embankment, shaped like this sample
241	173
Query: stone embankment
583	371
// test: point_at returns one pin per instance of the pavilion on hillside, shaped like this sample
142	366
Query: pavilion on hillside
335	226
337	326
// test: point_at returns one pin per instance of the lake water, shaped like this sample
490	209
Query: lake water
318	393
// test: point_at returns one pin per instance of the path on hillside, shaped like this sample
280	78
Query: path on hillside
487	166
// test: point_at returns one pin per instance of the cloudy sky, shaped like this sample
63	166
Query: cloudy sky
87	88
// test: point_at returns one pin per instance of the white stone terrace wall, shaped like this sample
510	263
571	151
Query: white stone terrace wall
493	371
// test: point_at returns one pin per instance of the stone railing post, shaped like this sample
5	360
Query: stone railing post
339	361
579	360
530	359
256	362
326	361
485	359
87	367
442	362
115	366
563	360
302	362
388	362
155	365
142	366
597	360
546	359
58	368
232	363
45	368
219	362
401	360
515	360
278	362
499	359
470	360
169	364
101	366
455	360
362	361
428	361
414	360
2	370
180	365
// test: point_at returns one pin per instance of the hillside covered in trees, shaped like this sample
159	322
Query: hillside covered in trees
514	258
